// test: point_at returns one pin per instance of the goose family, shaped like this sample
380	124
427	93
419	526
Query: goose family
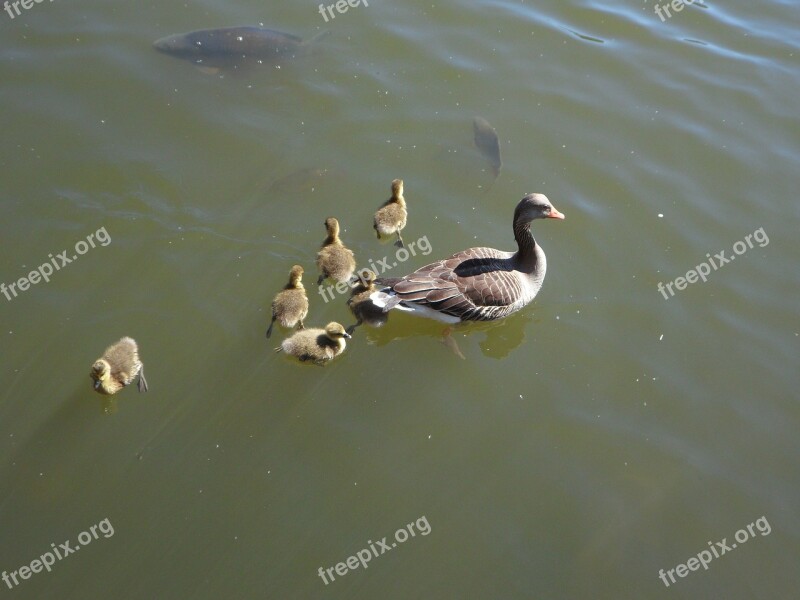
478	284
290	305
360	304
318	345
334	259
392	215
118	367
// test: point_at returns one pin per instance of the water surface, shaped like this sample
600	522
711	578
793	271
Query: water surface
583	444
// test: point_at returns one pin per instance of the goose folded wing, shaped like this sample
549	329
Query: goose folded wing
460	286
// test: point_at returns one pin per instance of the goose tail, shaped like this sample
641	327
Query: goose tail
386	300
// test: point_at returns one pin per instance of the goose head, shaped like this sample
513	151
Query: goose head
535	206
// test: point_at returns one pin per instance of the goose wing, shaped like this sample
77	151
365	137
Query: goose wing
476	284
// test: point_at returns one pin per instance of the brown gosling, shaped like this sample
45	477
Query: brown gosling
360	304
290	305
118	367
334	259
391	216
319	345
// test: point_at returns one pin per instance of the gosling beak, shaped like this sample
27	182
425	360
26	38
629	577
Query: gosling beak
554	214
347	335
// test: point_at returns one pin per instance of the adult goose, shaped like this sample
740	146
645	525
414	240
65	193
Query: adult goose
479	284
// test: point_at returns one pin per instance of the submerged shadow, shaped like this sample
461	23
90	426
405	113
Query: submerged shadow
500	337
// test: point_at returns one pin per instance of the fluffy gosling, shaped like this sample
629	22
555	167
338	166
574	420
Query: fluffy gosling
391	217
118	367
319	345
360	304
290	305
334	259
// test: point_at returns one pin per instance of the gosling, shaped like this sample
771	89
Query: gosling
118	367
319	345
334	259
360	304
290	305
391	217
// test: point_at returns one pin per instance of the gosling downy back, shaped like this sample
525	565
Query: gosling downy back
334	259
391	217
290	306
317	345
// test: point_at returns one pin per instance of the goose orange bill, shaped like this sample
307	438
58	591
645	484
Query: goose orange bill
555	214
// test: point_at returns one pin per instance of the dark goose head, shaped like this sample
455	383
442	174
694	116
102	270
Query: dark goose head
531	207
535	206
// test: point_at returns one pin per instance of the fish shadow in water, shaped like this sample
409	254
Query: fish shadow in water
237	50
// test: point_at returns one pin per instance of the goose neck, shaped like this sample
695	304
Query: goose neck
527	255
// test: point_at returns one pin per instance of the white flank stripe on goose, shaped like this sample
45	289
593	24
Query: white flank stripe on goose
424	311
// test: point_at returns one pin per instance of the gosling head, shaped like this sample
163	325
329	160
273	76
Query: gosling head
397	188
332	227
336	331
296	275
366	277
101	372
535	206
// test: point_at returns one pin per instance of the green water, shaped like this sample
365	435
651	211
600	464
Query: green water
585	443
